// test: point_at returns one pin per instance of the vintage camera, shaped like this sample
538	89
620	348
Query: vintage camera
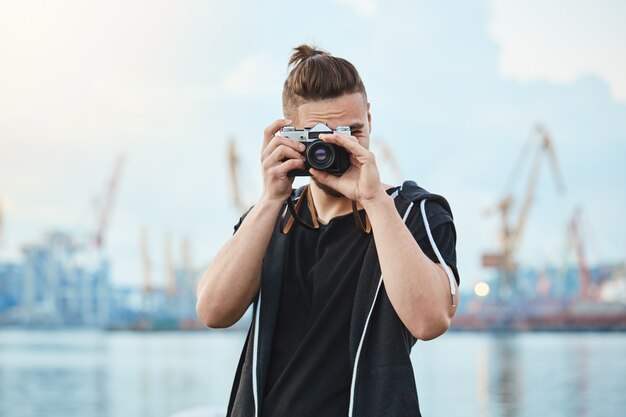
319	154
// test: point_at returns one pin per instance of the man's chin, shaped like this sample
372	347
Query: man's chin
331	192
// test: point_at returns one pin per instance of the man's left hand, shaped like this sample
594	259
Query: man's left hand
361	182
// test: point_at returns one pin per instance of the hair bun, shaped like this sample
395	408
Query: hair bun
317	75
304	52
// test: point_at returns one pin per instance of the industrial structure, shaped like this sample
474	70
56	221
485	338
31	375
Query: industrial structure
512	229
566	298
64	280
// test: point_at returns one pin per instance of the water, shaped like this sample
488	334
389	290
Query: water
74	373
522	375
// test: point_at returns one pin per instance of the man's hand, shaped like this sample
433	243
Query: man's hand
279	155
416	286
361	182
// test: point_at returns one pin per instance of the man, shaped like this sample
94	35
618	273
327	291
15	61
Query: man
337	308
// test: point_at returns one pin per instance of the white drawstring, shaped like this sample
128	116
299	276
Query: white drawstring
358	351
255	349
437	253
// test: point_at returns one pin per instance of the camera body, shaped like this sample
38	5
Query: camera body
318	154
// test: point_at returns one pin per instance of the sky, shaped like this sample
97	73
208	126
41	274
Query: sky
455	89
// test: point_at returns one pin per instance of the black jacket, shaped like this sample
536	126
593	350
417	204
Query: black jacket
383	383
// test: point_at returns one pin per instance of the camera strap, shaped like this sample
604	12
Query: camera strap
293	209
359	223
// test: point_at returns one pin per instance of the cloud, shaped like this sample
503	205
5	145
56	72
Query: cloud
560	41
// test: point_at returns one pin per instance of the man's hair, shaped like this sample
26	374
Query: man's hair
317	75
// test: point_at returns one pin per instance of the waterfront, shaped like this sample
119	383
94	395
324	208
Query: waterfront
111	374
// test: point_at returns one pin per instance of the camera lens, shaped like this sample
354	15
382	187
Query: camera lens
320	155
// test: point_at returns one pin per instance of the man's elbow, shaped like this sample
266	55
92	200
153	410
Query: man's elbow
213	317
432	328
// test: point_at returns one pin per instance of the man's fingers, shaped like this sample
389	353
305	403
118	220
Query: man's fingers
281	141
348	142
272	129
324	177
281	170
280	153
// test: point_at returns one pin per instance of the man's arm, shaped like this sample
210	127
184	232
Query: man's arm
417	287
233	278
231	281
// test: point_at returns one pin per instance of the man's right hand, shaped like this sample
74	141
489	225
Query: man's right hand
279	155
233	278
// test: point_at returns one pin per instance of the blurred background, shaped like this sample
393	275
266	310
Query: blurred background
129	146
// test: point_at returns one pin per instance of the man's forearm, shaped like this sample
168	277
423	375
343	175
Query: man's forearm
233	277
417	287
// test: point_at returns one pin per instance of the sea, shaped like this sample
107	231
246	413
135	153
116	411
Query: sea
80	373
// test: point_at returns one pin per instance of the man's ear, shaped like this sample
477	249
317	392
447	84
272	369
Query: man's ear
369	117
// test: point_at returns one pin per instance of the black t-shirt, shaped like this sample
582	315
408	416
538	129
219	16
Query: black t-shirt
310	369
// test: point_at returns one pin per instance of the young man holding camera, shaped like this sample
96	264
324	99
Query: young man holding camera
345	278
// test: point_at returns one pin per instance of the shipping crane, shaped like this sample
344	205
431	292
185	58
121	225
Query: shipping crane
233	165
148	287
575	241
512	229
389	158
170	273
109	198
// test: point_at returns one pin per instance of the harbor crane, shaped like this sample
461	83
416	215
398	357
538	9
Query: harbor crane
234	169
105	210
389	158
170	269
148	286
575	241
512	229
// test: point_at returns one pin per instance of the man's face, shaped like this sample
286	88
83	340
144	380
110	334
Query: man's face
347	110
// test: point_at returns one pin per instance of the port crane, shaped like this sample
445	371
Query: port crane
170	270
389	159
148	286
234	169
107	207
575	241
512	229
